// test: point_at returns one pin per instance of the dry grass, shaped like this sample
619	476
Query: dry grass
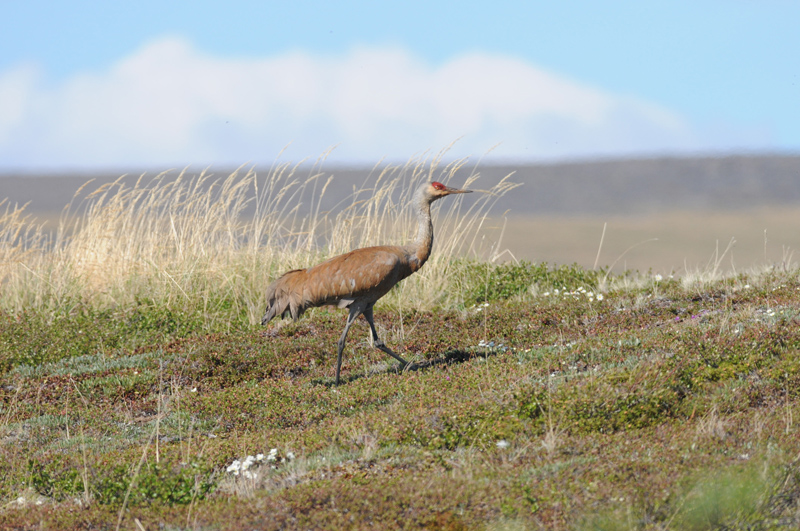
198	240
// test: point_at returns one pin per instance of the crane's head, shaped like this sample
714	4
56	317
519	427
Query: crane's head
437	190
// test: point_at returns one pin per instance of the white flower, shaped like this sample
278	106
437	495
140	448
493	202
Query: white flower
259	457
290	456
234	467
273	455
194	390
249	460
658	278
502	444
599	296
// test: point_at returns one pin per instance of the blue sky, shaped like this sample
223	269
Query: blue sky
89	84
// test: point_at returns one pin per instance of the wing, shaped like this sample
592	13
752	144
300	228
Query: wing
364	274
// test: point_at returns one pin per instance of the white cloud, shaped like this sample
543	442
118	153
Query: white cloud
16	91
170	105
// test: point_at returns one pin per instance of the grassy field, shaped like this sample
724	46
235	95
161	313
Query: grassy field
137	392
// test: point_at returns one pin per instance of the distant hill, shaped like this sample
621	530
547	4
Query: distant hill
606	187
624	187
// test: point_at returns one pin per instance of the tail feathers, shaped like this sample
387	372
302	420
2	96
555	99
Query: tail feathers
285	296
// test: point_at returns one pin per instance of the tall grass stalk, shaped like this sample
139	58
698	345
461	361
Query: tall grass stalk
212	245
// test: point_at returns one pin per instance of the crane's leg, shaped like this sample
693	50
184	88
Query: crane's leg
376	340
354	313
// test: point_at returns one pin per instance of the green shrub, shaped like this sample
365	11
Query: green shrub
163	483
55	479
485	282
622	399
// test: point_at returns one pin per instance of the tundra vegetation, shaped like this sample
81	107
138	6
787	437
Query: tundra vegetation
138	391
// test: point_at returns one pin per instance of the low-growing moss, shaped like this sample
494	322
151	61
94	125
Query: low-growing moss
35	338
88	364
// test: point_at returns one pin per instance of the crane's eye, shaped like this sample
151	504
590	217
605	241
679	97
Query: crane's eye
438	185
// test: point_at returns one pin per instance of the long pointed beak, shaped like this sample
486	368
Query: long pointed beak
457	190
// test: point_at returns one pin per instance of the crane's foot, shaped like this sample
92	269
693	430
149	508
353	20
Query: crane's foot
403	363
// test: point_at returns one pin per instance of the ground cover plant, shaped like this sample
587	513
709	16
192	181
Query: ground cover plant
137	391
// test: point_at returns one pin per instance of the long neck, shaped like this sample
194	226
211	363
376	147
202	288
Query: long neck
424	242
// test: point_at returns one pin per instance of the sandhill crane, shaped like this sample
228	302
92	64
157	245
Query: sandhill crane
356	280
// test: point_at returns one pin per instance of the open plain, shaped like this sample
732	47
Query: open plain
137	390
